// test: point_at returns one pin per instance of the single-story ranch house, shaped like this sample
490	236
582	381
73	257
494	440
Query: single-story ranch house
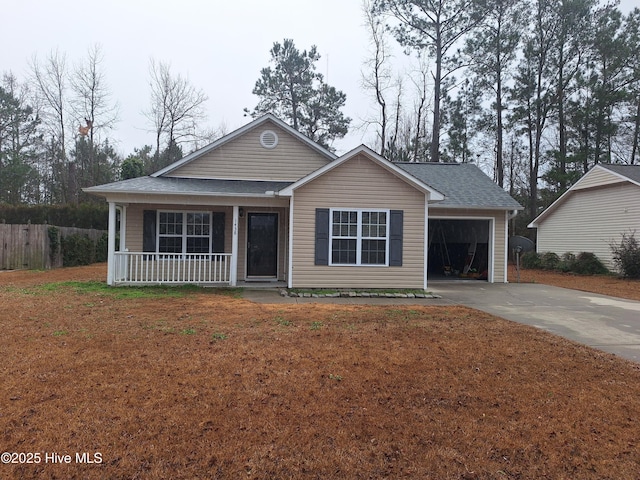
593	213
265	203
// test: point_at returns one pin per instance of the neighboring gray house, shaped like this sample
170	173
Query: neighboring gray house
593	213
266	203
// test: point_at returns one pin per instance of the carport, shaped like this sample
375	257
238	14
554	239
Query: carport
467	231
459	248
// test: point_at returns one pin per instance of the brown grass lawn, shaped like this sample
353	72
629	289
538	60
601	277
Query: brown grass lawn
188	384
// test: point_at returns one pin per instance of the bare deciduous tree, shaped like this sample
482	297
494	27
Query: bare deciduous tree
437	26
378	78
176	109
50	86
93	110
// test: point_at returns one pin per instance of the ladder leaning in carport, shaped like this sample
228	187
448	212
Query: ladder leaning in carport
471	253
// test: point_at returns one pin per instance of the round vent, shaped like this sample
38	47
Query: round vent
269	139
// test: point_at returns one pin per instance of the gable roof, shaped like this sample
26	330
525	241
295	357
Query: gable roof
464	185
434	195
628	173
241	131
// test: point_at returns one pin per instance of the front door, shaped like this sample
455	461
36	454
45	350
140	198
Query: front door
262	244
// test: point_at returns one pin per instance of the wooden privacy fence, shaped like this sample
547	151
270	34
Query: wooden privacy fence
28	246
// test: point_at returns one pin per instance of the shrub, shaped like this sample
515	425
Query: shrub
531	260
567	262
54	242
626	255
549	261
84	215
102	248
588	264
77	250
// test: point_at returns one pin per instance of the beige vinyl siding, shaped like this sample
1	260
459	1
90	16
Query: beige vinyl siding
588	220
135	215
497	249
597	177
358	183
245	158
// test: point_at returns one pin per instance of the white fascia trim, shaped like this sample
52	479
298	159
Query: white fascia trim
111	194
438	206
240	131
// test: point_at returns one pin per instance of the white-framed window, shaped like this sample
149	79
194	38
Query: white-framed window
184	232
359	237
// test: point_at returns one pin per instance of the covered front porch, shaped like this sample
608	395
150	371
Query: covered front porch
206	244
167	230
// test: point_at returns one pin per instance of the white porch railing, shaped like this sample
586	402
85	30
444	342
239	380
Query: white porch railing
154	268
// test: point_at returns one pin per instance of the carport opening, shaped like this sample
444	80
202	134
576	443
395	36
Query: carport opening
458	249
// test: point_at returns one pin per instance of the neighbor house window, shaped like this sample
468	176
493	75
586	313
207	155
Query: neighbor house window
359	237
184	232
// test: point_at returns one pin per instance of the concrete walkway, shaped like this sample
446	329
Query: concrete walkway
606	323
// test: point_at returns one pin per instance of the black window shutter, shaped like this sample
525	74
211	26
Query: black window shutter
395	238
149	231
322	236
218	233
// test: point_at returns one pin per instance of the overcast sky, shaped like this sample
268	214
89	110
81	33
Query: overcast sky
220	46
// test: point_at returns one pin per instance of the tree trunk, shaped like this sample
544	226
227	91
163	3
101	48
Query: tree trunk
435	136
499	138
636	133
562	128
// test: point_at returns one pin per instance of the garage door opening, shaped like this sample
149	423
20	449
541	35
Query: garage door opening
458	249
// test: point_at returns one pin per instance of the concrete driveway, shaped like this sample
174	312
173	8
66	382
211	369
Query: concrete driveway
607	323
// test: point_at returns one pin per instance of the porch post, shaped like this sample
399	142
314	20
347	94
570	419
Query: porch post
111	244
233	274
123	228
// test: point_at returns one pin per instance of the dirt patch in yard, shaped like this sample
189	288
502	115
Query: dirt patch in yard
184	384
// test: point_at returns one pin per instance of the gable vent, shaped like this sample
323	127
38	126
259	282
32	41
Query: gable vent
269	139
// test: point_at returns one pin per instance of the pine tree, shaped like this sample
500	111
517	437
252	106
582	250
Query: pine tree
295	92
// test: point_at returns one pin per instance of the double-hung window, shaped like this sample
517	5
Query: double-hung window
184	232
359	237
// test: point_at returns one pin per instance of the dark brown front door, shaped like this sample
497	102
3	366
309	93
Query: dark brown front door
262	245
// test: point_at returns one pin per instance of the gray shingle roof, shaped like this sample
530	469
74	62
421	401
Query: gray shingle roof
632	172
464	185
188	186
